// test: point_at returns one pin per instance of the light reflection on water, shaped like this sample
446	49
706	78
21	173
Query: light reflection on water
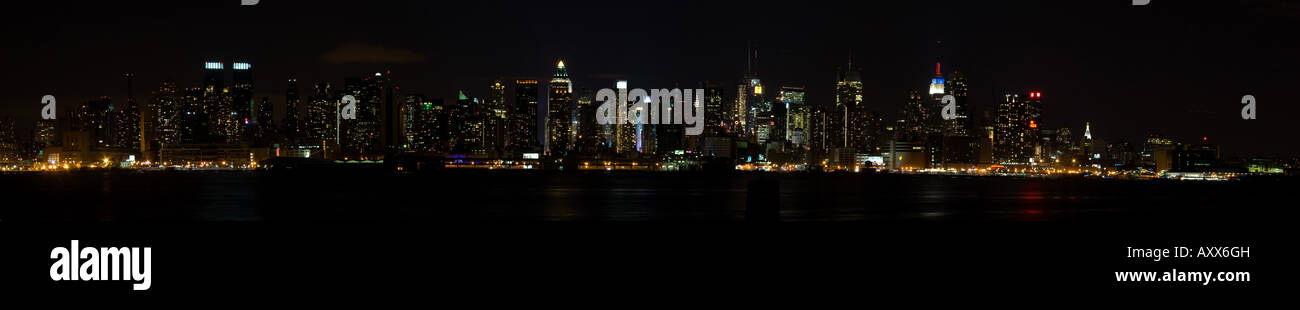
478	195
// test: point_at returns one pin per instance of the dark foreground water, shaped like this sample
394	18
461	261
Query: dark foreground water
470	236
513	195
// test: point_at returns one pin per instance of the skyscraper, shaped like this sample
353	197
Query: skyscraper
167	107
263	126
361	137
1016	128
523	128
669	138
757	99
626	134
739	113
748	102
863	124
715	116
9	146
467	125
194	123
224	107
291	125
46	133
817	118
96	118
126	120
848	96
241	90
934	122
214	76
1034	114
777	117
590	136
496	99
1086	147
914	118
559	115
148	128
497	114
960	125
797	114
392	132
322	119
428	124
959	144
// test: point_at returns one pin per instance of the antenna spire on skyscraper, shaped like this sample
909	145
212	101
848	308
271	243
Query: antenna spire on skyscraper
938	58
751	54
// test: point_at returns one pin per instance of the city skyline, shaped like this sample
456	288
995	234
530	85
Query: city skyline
1174	114
390	123
281	111
750	150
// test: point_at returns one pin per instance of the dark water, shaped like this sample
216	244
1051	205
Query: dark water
437	235
459	196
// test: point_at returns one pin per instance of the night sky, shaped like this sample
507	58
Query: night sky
1174	67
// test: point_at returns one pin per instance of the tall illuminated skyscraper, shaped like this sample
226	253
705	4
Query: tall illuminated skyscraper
392	132
523	133
466	125
1086	146
797	114
589	137
934	122
960	125
9	144
559	114
937	82
427	123
817	129
291	125
626	140
848	96
322	119
363	137
496	118
126	120
959	145
862	125
1034	114
1008	134
223	123
496	99
263	120
241	90
352	138
47	132
193	122
915	116
670	138
748	101
1016	128
715	115
739	112
756	101
166	107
